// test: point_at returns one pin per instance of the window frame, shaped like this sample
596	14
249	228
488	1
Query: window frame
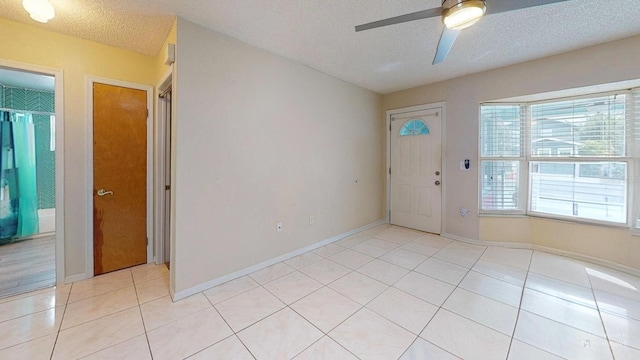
522	182
526	160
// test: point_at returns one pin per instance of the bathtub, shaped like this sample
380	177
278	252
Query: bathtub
47	220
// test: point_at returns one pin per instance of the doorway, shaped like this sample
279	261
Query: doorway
415	168
29	163
120	175
164	176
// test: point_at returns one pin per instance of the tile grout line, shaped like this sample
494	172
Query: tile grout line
102	316
266	317
562	323
567	283
116	312
333	328
144	326
323	333
440	307
448	296
524	286
596	306
328	287
455	288
55	342
234	333
604	328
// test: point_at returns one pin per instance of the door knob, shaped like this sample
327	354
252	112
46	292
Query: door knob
437	182
437	173
103	192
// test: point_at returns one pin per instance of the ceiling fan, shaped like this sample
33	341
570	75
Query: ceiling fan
457	15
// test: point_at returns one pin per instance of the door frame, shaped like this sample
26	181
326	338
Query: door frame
159	171
400	111
90	80
59	156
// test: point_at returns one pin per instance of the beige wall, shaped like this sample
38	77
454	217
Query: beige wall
77	59
605	243
261	139
591	66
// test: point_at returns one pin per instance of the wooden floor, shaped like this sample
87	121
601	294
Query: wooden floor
27	265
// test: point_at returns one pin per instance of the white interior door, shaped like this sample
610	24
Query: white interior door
416	170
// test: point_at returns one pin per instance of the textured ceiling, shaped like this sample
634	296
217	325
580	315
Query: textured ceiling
320	33
140	26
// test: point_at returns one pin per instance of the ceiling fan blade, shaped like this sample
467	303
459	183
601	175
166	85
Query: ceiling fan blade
498	6
400	19
444	45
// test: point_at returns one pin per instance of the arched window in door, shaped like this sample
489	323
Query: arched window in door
414	127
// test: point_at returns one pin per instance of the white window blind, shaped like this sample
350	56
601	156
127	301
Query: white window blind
564	158
501	157
577	145
587	127
634	151
634	123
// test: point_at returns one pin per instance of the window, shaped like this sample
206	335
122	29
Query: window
52	133
502	156
414	127
565	158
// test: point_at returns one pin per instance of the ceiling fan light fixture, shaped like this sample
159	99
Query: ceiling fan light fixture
460	14
39	10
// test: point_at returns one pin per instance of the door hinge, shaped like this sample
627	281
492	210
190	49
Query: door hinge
389	171
147	112
147	241
389	127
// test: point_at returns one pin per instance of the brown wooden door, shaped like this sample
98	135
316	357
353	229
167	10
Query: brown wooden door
119	177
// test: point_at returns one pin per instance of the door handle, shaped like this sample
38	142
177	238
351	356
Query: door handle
437	182
103	192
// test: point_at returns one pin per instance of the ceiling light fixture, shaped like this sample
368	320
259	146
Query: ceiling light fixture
39	10
460	14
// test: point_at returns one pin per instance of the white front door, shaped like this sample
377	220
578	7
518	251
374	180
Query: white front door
416	170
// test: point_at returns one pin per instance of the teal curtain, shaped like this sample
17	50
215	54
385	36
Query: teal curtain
18	186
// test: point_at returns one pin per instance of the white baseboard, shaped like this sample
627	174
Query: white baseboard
513	245
246	271
529	246
74	278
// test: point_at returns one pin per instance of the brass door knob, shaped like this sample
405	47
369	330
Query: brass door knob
103	192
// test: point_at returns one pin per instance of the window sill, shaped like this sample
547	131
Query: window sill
509	215
634	232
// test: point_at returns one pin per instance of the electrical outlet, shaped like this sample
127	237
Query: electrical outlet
311	220
279	227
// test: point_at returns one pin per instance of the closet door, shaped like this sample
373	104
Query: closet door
119	177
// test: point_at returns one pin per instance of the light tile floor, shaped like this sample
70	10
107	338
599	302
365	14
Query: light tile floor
385	293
